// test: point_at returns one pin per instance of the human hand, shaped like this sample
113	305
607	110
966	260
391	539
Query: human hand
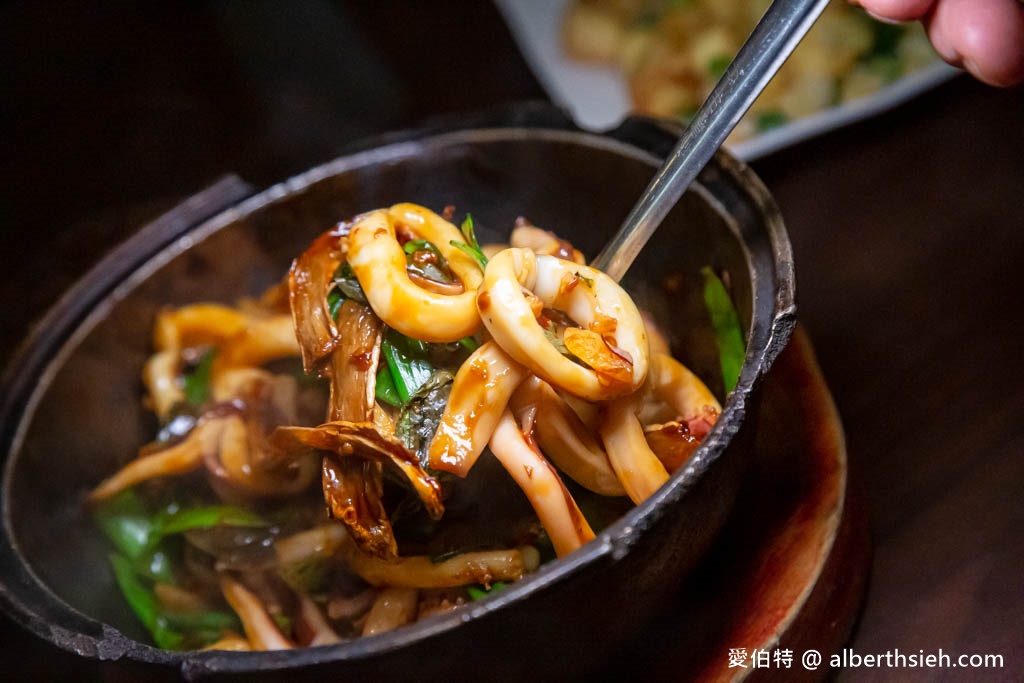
985	37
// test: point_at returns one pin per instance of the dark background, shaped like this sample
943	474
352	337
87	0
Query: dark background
908	232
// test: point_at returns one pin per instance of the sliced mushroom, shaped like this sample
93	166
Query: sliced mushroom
309	282
353	491
353	364
245	459
361	439
635	464
183	457
419	571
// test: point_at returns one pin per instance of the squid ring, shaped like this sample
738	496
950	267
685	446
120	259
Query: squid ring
479	395
558	513
564	438
674	392
597	303
379	263
635	464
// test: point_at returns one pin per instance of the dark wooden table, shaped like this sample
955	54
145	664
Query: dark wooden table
908	232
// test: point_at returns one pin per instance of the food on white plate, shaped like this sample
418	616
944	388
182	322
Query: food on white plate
672	52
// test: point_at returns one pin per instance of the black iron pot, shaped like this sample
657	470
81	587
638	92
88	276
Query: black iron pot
71	409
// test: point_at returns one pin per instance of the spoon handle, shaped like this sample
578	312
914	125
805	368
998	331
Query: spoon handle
781	28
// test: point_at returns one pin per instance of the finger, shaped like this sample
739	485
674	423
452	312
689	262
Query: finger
897	10
986	37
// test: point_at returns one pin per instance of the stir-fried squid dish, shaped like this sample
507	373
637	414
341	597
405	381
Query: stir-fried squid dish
463	413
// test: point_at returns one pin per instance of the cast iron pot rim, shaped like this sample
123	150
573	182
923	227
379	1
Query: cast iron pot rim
87	303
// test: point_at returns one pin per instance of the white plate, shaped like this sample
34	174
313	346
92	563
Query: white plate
597	97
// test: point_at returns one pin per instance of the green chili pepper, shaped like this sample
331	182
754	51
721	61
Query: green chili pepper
144	543
385	390
127	524
479	592
136	532
179	520
197	382
726	325
156	566
145	605
170	630
212	621
334	301
407	373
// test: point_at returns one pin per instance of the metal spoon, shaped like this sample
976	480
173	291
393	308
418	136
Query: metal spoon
781	28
